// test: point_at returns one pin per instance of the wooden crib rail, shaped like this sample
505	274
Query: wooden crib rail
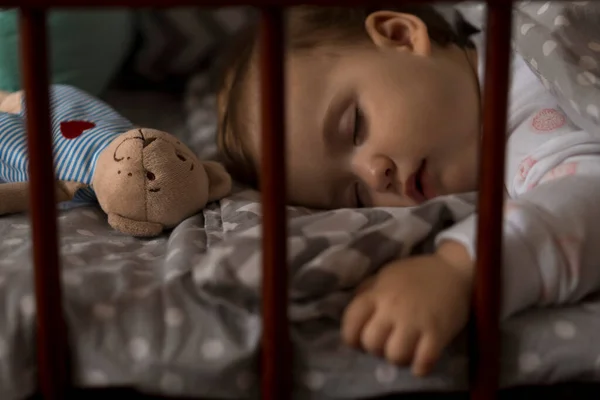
276	364
276	349
51	333
485	353
208	3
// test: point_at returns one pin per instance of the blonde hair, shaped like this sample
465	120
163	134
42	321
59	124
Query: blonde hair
307	27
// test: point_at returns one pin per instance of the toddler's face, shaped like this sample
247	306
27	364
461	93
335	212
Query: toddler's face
380	125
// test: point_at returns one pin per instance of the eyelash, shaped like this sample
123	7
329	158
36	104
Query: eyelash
358	119
359	203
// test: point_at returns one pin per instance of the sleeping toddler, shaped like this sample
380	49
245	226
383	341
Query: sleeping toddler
383	109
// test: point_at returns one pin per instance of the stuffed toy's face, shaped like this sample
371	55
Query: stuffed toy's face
149	179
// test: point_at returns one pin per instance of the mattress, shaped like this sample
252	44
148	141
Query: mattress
179	314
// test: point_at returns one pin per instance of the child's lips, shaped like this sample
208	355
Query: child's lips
418	185
427	188
412	187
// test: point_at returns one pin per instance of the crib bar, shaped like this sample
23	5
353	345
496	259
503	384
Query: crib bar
51	332
486	354
202	3
276	358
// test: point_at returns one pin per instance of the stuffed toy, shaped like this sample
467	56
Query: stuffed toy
145	180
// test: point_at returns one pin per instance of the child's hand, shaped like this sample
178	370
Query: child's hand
413	308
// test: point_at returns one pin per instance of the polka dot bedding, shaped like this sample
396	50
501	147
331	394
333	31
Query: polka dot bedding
178	314
560	41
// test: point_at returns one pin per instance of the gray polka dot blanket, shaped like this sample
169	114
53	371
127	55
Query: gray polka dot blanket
179	314
560	41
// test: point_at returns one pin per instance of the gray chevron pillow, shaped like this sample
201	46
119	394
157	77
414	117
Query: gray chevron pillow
172	44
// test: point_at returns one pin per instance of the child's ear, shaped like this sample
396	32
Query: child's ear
219	180
391	29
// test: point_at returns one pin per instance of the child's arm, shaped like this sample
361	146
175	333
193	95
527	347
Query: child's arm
551	238
415	307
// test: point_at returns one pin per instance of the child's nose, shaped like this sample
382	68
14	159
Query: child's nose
381	173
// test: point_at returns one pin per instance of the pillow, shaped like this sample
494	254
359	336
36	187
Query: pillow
86	47
561	43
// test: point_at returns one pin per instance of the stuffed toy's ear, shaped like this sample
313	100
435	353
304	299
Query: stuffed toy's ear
219	180
134	228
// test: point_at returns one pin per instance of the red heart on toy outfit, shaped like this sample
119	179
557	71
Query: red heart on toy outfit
72	129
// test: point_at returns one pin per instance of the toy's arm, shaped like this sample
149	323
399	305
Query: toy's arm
10	102
14	196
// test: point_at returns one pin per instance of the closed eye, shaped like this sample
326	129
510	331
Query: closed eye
182	158
358	126
357	139
358	202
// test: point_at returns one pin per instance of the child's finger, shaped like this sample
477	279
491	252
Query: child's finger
375	335
427	353
401	345
355	317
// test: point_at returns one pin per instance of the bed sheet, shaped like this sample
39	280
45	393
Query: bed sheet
179	314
